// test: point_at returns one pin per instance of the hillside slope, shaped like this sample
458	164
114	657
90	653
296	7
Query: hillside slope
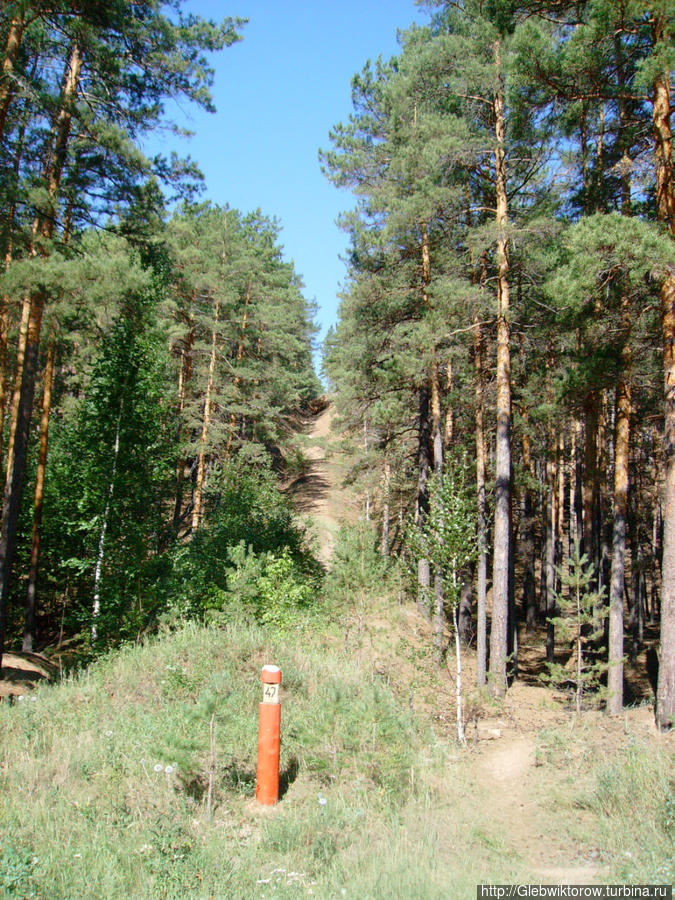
136	778
319	493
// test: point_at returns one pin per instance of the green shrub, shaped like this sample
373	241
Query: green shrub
634	795
358	571
267	588
250	528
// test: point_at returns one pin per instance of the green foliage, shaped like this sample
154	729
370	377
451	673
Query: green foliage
448	535
358	571
581	620
129	827
111	464
634	794
18	874
249	559
269	588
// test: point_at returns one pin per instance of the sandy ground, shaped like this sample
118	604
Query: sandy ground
319	494
21	672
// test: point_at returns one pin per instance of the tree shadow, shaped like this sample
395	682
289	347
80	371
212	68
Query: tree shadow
307	489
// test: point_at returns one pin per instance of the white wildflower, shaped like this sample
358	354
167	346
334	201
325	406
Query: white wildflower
158	767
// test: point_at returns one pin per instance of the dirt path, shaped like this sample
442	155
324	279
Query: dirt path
519	809
319	494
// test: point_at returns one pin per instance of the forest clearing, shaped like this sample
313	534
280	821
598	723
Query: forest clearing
451	523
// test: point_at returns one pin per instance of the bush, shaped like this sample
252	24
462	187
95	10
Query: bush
267	588
248	553
358	571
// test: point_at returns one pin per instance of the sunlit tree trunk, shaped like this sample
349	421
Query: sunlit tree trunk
621	455
549	552
424	445
502	526
481	599
16	463
665	196
422	499
560	502
237	376
184	376
589	491
437	453
528	546
7	88
5	304
448	432
29	625
386	506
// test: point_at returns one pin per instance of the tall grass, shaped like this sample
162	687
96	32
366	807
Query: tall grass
104	782
103	778
635	796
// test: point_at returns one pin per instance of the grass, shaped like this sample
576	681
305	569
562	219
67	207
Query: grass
377	805
90	810
617	799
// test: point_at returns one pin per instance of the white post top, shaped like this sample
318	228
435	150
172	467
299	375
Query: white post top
271	669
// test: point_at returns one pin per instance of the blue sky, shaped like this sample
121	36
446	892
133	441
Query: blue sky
277	94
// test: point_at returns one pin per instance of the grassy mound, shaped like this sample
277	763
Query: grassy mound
136	779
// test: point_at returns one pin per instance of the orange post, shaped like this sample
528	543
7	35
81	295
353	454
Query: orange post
269	737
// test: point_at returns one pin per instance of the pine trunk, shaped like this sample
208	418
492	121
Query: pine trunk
621	459
549	553
665	194
424	446
437	451
14	35
528	544
605	437
617	578
560	506
6	302
386	508
16	463
590	485
237	377
502	535
449	415
422	501
184	375
18	379
31	593
481	599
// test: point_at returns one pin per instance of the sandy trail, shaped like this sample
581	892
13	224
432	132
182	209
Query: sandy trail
319	493
521	807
